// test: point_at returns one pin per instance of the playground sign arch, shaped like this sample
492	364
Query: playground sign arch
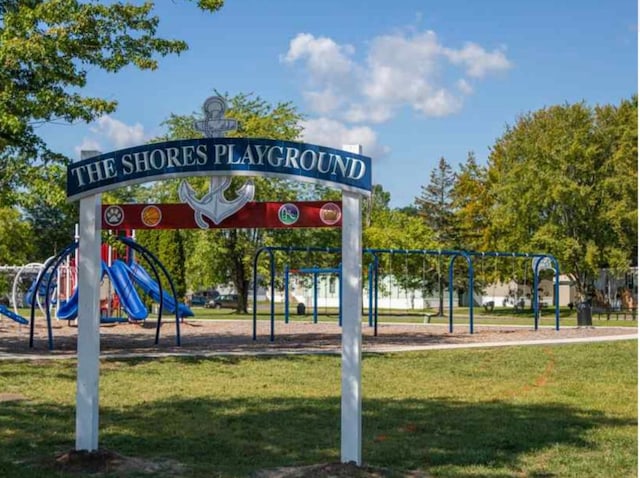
220	158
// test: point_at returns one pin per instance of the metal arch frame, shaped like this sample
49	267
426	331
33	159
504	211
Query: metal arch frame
374	252
424	252
151	259
373	267
272	273
556	286
56	261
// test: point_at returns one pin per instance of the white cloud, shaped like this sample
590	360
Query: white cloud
335	134
477	60
120	134
368	113
440	103
406	69
323	102
323	57
88	144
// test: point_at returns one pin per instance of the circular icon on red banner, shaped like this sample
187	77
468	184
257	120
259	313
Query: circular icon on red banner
113	215
330	214
288	214
151	216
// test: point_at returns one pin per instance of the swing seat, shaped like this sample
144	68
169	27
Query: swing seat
427	317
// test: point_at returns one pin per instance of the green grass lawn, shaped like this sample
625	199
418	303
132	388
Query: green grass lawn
537	411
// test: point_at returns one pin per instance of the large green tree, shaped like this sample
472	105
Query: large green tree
45	207
435	206
16	238
226	256
395	229
47	48
563	180
469	204
435	203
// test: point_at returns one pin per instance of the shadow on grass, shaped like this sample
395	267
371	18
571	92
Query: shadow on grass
236	436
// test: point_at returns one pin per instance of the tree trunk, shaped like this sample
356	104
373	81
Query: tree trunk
242	286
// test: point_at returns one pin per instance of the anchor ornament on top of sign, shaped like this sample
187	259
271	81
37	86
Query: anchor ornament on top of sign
214	205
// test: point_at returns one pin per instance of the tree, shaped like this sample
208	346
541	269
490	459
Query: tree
468	202
221	256
393	229
378	201
563	180
47	48
170	251
45	207
16	238
435	205
16	244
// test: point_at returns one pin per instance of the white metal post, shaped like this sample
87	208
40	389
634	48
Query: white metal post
89	269
351	404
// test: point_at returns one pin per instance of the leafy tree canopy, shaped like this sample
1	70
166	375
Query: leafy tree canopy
47	48
223	256
564	180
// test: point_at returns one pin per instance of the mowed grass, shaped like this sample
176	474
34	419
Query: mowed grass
536	411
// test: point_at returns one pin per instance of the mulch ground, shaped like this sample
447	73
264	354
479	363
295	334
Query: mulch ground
205	337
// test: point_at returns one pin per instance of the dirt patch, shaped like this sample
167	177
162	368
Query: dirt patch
11	397
82	462
335	470
102	461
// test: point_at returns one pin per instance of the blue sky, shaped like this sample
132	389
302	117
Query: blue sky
411	80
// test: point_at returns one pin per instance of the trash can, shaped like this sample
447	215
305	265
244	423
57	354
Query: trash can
302	310
584	314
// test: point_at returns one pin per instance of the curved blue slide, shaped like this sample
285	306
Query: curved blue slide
129	298
151	287
120	275
12	315
69	309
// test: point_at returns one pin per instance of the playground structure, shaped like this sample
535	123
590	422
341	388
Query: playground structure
539	262
54	290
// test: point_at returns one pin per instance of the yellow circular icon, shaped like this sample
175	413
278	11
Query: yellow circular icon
151	216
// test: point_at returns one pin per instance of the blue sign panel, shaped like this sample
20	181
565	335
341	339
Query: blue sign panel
219	157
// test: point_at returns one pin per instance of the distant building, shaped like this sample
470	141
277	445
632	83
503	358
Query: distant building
611	292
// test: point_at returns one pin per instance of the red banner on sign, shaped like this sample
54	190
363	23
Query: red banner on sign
252	215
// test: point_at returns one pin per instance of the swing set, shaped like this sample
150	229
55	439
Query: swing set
516	296
538	261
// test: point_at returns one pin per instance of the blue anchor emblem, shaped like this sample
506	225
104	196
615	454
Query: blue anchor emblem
214	205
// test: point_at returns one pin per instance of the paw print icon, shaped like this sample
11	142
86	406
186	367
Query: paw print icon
113	215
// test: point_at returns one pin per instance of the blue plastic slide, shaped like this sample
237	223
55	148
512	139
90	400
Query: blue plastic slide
69	309
129	298
12	315
146	283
